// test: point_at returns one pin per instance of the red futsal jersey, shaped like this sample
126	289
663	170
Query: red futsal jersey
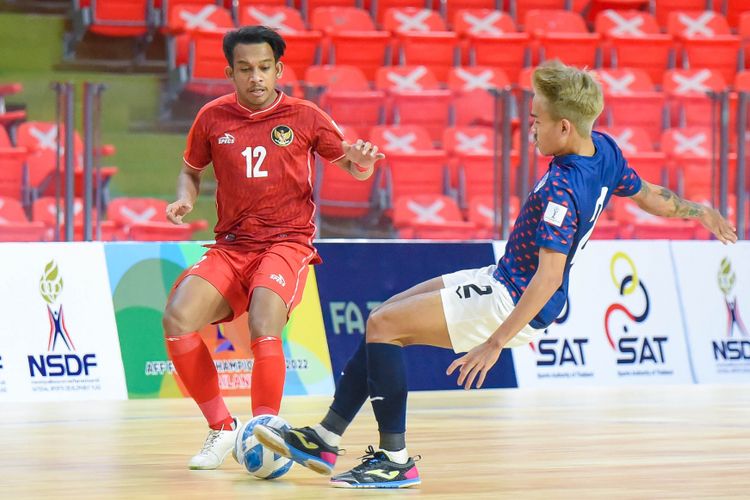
263	161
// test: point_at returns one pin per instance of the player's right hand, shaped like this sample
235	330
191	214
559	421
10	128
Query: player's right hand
177	210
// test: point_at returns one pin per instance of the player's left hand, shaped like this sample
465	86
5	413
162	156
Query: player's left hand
717	224
476	362
362	153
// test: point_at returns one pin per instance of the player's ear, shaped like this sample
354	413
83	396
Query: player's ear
565	126
279	69
229	72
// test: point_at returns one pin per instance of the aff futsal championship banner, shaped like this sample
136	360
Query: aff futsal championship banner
58	339
356	277
622	324
714	282
141	276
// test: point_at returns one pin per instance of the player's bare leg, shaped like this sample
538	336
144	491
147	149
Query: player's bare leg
267	317
194	304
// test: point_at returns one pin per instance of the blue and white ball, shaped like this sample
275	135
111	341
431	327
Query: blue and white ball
257	459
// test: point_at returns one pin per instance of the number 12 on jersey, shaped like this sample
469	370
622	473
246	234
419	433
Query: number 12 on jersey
254	157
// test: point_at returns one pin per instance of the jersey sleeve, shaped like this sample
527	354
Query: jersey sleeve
198	150
328	137
629	183
559	221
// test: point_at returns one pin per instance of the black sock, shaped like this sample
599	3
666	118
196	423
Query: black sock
351	393
386	378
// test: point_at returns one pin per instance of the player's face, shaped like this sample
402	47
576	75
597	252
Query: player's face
546	130
254	74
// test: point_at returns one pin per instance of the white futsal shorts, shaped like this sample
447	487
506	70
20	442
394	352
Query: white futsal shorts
475	304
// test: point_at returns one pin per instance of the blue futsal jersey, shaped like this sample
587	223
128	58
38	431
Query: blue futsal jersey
560	214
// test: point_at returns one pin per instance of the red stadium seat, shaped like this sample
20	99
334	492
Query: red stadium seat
632	40
378	8
430	217
302	50
507	51
406	78
663	8
160	231
13	183
458	140
438	50
338	194
351	38
476	176
519	8
409	19
630	100
705	41
473	103
638	149
428	108
358	109
744	32
130	213
44	210
335	77
7	118
281	18
193	17
14	226
308	7
403	139
561	34
687	91
117	18
451	12
734	10
40	140
415	174
666	229
606	229
482	212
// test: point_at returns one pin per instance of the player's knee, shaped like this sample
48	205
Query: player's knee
176	322
264	327
377	327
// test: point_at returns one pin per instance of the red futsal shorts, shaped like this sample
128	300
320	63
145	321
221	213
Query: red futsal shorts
281	267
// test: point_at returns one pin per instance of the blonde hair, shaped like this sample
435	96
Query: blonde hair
571	93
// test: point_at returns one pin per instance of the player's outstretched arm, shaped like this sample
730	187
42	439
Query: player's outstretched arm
658	200
188	186
359	158
476	363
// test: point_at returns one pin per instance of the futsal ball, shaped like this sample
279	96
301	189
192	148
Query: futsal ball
257	459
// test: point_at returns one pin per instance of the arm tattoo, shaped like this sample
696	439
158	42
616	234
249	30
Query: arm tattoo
680	207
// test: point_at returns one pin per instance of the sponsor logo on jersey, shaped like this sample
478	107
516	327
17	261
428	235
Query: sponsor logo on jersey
226	139
281	135
278	279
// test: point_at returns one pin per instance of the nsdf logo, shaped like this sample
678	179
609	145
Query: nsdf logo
736	346
620	320
69	363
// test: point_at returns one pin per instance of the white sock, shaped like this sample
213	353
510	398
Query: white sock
400	456
330	438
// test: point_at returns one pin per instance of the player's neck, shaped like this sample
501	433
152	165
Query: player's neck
579	146
258	107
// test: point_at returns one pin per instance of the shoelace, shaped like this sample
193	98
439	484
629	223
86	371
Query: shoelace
213	435
369	457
